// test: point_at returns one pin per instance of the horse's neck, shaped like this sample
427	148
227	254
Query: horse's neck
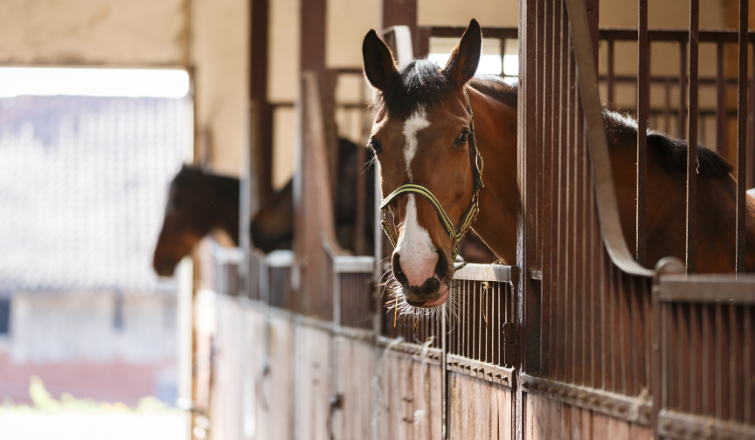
224	193
495	132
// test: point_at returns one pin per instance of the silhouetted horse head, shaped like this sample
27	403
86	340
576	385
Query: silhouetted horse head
197	203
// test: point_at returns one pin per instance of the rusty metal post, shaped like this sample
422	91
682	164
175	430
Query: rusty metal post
400	12
692	92
262	127
742	136
721	110
682	129
611	81
643	104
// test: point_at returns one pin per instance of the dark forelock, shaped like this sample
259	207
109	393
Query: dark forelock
419	83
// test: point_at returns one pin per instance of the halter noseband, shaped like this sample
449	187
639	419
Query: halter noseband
454	232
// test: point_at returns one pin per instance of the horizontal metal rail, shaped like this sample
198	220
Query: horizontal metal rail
487	272
707	289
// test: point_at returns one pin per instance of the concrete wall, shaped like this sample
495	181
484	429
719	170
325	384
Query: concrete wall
220	56
93	32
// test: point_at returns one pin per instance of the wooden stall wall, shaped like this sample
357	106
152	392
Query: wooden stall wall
551	419
409	398
313	364
355	362
479	409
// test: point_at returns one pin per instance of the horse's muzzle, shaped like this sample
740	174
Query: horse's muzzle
432	292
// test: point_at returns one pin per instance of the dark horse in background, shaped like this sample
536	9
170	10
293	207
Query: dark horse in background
199	202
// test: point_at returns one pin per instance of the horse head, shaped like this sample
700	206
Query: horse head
423	139
186	219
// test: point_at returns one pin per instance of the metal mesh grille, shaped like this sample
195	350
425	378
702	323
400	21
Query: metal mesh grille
476	327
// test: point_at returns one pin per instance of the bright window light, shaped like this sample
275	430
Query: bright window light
489	64
157	83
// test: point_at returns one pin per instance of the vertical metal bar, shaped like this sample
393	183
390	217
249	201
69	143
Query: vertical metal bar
736	370
545	218
742	137
722	363
708	368
611	80
643	106
682	129
667	107
695	359
503	55
692	92
721	116
749	364
751	123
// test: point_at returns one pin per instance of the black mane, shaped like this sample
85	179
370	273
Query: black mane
672	151
419	83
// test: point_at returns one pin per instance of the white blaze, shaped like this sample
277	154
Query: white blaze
416	122
417	253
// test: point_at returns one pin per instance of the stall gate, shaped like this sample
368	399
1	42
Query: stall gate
577	341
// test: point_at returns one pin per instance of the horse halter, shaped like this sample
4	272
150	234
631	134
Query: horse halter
469	216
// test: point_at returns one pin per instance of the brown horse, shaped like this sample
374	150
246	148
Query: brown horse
422	134
197	203
273	225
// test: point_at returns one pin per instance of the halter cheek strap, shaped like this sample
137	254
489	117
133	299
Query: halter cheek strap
469	216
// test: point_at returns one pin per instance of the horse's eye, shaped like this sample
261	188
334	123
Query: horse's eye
463	138
376	146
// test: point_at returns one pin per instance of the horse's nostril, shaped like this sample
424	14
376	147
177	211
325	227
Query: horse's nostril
397	272
441	267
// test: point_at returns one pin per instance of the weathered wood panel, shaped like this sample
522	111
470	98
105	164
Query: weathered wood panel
356	366
279	379
256	392
478	409
410	398
548	419
227	375
312	377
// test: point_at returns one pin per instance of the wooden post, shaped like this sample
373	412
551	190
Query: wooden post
400	12
261	111
312	58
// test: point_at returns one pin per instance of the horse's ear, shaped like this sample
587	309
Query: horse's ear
462	64
378	60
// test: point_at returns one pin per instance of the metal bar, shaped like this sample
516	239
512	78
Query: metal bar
486	272
742	138
692	92
751	124
616	34
667	107
735	363
503	54
682	126
643	103
611	77
749	364
673	35
722	363
721	120
605	192
696	359
710	81
617	406
708	289
672	422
